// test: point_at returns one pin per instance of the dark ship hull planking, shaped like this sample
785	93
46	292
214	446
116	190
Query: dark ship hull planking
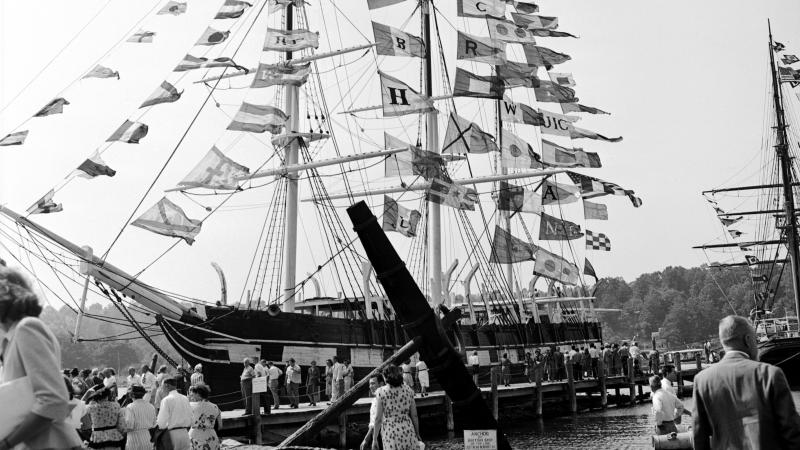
784	353
229	335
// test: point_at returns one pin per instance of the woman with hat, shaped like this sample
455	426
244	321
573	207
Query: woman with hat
140	417
108	419
29	349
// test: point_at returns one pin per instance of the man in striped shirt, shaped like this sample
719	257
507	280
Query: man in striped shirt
140	416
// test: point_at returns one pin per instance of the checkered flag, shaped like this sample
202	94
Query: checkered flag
597	241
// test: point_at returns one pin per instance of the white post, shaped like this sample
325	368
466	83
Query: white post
84	269
446	277
366	271
468	291
290	222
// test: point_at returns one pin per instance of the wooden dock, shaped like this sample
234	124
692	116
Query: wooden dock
540	397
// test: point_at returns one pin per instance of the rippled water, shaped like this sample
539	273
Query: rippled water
614	428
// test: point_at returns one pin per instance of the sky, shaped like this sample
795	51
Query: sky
686	83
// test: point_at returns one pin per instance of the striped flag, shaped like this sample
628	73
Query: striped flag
399	99
55	106
375	4
174	8
142	36
130	132
508	249
535	22
594	211
258	119
595	187
481	8
398	218
232	9
212	37
46	205
518	199
281	74
290	41
168	219
395	42
542	56
166	93
215	171
463	136
94	166
467	84
598	241
558	156
515	153
102	72
480	49
508	31
16	138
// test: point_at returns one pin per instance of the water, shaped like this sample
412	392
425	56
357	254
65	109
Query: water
615	428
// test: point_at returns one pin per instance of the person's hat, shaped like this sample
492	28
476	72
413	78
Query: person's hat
198	367
138	389
171	381
291	360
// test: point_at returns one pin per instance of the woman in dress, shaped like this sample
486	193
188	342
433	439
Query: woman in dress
396	413
108	419
206	419
348	375
32	351
328	379
140	417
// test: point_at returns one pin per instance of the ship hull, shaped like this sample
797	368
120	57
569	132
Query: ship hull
229	335
785	353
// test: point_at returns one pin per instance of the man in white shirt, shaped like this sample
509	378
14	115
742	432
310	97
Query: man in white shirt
374	383
293	380
474	363
133	378
666	407
175	416
594	354
274	374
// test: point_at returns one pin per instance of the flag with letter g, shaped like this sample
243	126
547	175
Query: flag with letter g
399	99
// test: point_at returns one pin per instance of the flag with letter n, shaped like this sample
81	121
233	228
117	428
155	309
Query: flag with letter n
258	119
588	269
168	219
16	138
594	211
215	171
291	40
542	56
597	241
518	199
94	166
413	161
516	153
463	136
558	156
480	8
507	31
556	193
166	93
555	229
395	42
468	84
555	267
55	106
130	132
399	219
480	49
281	74
452	195
507	249
46	205
399	99
790	59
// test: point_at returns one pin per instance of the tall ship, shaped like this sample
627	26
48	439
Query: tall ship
453	120
757	233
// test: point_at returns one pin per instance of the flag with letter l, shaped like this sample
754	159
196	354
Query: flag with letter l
594	211
588	269
290	41
542	56
556	193
232	9
452	195
467	84
130	132
517	154
375	4
508	249
394	42
46	205
507	31
16	138
281	74
399	219
480	8
173	8
555	267
212	37
518	199
480	49
555	229
215	171
166	93
56	106
258	119
463	136
399	99
168	219
102	72
142	36
535	22
558	156
598	241
94	166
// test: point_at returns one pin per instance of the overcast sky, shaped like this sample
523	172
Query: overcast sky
685	81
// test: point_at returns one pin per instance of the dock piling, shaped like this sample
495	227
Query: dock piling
343	430
257	434
538	402
573	400
679	374
495	401
631	382
601	369
448	408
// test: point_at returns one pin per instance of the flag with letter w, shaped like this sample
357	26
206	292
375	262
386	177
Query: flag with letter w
399	99
168	219
394	42
399	219
597	241
480	49
520	113
468	84
215	171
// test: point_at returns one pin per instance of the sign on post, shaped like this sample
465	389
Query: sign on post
480	439
259	384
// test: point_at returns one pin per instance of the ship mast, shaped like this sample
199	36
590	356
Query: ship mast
290	218
782	148
504	216
432	140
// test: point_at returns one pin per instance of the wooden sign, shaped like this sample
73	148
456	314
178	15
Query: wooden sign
480	439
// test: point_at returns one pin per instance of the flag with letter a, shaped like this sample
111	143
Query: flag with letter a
399	99
281	74
452	195
480	49
130	132
394	42
555	193
518	199
508	249
597	241
166	93
290	41
467	84
507	31
480	8
46	205
555	229
594	211
555	267
258	119
399	219
55	106
215	171
94	166
168	219
516	153
463	136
